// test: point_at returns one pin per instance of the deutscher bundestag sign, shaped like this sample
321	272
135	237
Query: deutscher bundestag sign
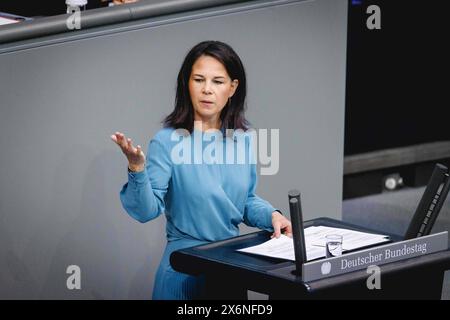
375	256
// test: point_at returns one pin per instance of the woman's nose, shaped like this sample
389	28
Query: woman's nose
207	88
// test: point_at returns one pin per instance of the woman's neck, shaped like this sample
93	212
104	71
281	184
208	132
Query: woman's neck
203	125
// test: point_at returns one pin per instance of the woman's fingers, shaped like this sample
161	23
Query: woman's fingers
138	150
281	225
130	147
287	228
126	144
117	138
122	141
134	154
276	229
287	232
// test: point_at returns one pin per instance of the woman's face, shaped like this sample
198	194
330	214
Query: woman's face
210	86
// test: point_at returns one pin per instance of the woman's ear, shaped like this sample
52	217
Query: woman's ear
234	85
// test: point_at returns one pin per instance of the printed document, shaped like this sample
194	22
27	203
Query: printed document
283	247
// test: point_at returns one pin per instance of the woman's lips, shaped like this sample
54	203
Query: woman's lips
206	104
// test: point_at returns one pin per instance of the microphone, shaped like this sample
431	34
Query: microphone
298	234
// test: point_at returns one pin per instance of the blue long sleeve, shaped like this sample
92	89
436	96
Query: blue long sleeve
143	195
258	212
201	201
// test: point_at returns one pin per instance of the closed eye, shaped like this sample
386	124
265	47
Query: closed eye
215	81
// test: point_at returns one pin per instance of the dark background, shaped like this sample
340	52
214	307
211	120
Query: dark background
397	77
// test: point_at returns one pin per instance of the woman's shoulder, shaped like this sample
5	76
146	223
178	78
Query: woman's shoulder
168	135
163	135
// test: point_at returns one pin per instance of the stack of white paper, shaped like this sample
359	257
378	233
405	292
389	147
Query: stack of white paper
283	247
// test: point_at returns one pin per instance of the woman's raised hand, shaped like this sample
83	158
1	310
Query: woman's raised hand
135	156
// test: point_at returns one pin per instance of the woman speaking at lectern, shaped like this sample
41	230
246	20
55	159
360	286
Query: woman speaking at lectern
203	201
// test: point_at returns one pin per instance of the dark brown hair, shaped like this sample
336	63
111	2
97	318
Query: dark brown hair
232	114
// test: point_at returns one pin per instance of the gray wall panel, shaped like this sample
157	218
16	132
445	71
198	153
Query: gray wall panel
60	174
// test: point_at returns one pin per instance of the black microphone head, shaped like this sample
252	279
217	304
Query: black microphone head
294	193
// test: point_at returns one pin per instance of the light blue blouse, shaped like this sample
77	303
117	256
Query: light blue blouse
205	191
